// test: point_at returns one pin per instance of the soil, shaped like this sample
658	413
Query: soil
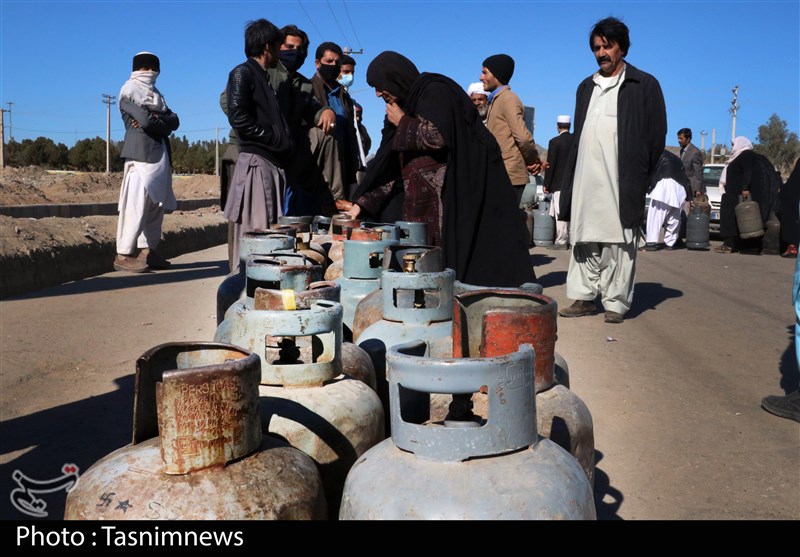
35	186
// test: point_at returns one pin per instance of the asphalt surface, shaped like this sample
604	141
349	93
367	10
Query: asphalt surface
674	390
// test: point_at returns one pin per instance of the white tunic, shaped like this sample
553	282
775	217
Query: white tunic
595	190
669	192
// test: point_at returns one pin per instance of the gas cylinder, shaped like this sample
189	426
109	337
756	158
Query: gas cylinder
385	231
529	220
321	225
415	306
304	242
198	452
303	219
306	398
495	322
772	236
275	270
697	229
427	259
413	233
254	242
544	226
748	219
497	468
361	272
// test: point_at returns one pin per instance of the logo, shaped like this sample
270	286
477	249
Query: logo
24	497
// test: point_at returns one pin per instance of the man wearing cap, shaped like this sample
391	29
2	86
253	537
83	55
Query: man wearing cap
557	152
146	192
506	120
479	98
620	131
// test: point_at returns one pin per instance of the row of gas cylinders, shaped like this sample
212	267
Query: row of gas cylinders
391	391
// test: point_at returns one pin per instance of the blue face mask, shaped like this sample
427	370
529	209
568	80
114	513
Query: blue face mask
346	80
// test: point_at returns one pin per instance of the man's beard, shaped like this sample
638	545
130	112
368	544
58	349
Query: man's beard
483	111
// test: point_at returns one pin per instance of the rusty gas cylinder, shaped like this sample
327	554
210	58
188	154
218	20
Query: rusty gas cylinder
306	398
253	242
196	441
304	241
496	322
493	468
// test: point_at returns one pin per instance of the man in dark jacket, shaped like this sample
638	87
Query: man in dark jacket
620	130
257	188
557	152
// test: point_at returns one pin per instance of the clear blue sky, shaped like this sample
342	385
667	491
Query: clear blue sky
58	57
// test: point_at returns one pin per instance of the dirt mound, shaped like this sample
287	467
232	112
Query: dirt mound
33	186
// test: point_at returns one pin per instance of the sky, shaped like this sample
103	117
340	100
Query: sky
57	58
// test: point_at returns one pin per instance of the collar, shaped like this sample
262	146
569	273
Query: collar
494	93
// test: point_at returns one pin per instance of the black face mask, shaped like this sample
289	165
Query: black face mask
329	72
292	60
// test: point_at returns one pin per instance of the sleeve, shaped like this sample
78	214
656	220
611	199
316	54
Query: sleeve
514	114
151	122
697	172
551	161
656	112
241	108
415	133
374	200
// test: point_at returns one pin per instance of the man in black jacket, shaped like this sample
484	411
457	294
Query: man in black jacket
557	152
620	130
257	188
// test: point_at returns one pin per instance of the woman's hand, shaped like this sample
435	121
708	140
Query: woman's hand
354	211
394	113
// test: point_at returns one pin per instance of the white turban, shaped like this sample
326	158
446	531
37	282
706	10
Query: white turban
476	87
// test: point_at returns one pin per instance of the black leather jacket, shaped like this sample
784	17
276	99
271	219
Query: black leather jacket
254	114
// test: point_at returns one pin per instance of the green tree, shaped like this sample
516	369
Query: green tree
778	144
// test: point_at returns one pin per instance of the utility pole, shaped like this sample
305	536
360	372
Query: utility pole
216	151
108	100
347	50
10	125
733	109
703	134
2	140
713	143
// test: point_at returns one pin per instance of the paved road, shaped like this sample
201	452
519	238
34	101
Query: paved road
674	391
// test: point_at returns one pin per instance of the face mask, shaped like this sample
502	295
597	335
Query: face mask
346	80
293	59
329	72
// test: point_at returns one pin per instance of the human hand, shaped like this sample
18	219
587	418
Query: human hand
394	113
343	205
535	168
745	194
354	211
327	121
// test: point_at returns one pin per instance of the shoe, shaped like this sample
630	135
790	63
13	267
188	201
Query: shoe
649	246
559	246
724	249
678	245
613	317
791	251
130	264
579	309
153	259
784	406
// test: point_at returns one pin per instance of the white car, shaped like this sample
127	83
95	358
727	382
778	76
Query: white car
711	175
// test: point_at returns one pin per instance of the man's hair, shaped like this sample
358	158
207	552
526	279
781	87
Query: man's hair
258	34
294	31
333	47
347	59
563	125
685	132
612	30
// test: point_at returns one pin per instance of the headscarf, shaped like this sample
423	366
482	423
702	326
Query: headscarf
670	166
740	144
393	73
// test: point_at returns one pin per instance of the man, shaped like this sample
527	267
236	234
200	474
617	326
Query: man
557	152
310	125
346	78
671	190
146	192
620	130
330	93
479	98
692	160
506	120
255	199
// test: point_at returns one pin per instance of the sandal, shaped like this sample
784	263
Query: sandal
723	249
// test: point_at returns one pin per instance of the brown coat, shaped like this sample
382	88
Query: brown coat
507	123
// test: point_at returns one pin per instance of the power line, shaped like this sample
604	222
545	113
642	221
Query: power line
311	20
353	27
346	40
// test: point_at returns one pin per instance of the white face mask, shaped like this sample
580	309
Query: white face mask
346	80
147	77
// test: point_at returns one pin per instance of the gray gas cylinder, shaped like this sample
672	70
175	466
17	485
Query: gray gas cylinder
197	441
305	241
321	225
305	396
772	236
278	270
497	468
697	230
254	242
361	272
415	306
748	219
496	322
544	225
414	233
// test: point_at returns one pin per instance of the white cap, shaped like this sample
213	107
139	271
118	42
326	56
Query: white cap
563	119
476	87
